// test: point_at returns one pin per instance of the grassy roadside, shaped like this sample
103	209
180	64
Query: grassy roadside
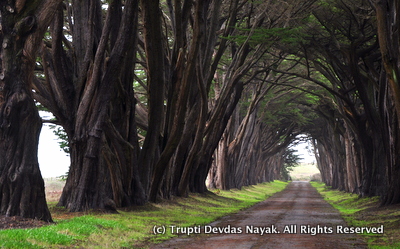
365	212
134	227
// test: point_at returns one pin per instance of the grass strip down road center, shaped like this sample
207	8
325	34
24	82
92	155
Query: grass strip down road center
134	228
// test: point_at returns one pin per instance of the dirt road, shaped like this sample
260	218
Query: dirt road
297	217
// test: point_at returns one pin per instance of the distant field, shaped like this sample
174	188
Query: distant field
53	188
304	172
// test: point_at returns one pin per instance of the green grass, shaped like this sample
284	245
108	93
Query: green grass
134	228
63	233
366	212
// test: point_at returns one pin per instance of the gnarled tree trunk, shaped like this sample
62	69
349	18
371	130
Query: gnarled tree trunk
21	183
89	90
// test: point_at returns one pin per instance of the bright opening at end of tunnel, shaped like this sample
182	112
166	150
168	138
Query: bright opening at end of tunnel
307	168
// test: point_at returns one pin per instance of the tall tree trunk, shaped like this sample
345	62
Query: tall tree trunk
21	183
89	90
388	23
200	170
150	152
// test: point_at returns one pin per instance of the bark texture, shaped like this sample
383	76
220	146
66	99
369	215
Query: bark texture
21	184
88	87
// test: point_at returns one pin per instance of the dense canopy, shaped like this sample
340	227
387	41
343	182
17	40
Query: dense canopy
161	98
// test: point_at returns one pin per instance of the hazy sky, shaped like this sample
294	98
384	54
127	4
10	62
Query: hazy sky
54	162
304	153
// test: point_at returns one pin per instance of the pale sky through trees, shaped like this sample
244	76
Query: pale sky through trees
304	153
54	162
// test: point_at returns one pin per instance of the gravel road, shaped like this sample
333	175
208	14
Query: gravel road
297	217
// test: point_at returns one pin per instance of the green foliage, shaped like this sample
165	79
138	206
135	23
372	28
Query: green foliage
62	135
286	109
290	160
287	36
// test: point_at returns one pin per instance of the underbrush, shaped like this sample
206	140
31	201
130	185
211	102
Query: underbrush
134	228
366	212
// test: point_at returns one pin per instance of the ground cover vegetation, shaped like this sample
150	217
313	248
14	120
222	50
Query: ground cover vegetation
159	98
365	212
133	228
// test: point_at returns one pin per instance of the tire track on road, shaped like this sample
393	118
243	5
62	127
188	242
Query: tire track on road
299	206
